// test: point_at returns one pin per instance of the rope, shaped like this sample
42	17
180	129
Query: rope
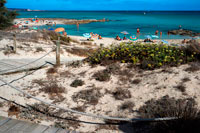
26	74
89	114
27	63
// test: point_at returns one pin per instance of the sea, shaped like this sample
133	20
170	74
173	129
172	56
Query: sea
147	21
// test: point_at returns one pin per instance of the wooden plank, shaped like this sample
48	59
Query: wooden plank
4	120
74	132
39	129
16	128
8	125
51	130
62	131
29	127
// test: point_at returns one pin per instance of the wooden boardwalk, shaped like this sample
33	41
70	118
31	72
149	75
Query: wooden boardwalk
8	125
13	65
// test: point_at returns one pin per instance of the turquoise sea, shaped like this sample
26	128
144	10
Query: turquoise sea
148	22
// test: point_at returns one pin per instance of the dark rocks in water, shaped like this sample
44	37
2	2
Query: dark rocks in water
183	32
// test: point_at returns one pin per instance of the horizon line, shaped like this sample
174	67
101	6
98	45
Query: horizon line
104	10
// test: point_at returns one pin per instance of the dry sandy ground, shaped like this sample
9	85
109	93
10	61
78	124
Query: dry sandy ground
150	85
140	85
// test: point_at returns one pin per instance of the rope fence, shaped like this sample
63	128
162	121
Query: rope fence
88	114
18	67
36	69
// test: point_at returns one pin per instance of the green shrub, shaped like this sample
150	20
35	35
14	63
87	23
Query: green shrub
147	56
6	16
77	83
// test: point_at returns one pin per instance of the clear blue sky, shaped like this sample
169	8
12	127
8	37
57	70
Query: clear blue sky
105	4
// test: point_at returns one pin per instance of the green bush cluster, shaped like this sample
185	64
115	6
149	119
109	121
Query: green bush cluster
146	55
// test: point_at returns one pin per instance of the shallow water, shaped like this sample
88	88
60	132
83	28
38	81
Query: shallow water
125	20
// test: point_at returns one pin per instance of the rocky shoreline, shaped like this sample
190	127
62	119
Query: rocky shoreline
47	21
183	32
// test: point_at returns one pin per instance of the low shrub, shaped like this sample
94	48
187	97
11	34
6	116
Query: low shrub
186	79
195	66
53	88
90	96
127	106
180	87
77	83
136	81
52	70
188	116
84	52
103	75
147	56
39	49
121	94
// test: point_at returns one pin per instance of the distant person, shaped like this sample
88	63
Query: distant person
168	33
55	24
118	38
138	30
184	41
77	26
99	37
124	38
180	27
161	33
156	33
64	33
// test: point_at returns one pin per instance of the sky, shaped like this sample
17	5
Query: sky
105	4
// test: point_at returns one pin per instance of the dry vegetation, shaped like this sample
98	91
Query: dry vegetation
83	52
121	94
103	75
77	83
90	96
184	109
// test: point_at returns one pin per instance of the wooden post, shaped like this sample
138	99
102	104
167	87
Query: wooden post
58	52
14	43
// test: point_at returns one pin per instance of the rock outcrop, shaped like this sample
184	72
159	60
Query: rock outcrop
183	32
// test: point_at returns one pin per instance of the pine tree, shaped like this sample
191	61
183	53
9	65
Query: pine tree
6	17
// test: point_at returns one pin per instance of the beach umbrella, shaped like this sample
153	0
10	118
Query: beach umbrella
51	29
196	37
87	35
166	42
124	32
59	30
154	36
34	28
148	36
134	38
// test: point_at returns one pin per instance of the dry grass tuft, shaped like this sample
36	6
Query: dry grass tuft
77	83
80	51
52	70
66	74
195	66
40	82
90	96
103	75
52	88
128	105
121	94
39	49
136	81
180	87
184	109
186	79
